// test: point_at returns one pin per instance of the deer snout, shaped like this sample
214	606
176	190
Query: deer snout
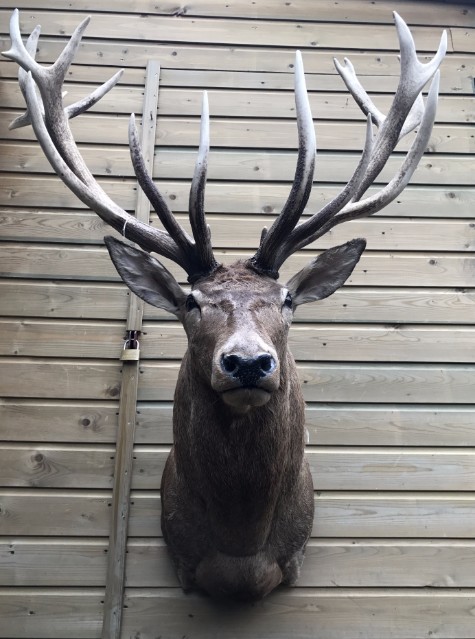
248	370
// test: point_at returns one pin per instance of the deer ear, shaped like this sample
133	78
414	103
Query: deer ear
326	273
145	276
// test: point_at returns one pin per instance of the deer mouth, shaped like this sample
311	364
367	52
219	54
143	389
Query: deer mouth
245	398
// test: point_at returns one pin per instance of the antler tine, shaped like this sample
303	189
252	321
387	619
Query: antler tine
201	231
156	199
55	137
147	237
382	198
263	260
406	112
31	44
18	52
51	125
70	111
197	254
318	225
414	75
354	86
308	231
362	99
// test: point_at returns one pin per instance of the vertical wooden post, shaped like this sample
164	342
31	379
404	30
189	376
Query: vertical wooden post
113	603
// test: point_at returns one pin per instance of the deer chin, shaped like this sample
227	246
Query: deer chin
243	399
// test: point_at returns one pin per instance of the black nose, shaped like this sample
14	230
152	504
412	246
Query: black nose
248	369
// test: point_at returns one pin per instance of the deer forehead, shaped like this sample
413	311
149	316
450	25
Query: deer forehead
238	287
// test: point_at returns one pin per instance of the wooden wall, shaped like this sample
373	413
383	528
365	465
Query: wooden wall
387	363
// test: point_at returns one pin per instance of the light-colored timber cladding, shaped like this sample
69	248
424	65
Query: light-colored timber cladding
376	268
310	342
456	81
81	562
371	514
333	468
386	363
95	421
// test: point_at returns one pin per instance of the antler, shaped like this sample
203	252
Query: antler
406	112
50	121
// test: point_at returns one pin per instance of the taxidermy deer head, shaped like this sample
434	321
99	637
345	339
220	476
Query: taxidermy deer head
237	495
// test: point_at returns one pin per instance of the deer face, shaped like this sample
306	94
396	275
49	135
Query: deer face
237	323
236	319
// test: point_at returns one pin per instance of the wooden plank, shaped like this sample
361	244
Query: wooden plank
235	103
113	604
454	80
52	466
219	57
55	513
457	83
49	512
281	104
317	613
44	378
359	383
338	468
318	10
90	422
51	614
60	421
395	515
326	382
344	563
342	136
233	31
350	424
313	614
386	234
464	39
374	269
235	198
387	563
167	340
262	198
30	298
340	563
26	158
401	425
36	338
53	562
269	134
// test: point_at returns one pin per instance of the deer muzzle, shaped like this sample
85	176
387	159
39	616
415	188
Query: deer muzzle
246	377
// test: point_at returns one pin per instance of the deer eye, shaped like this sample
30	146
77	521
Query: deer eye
191	303
288	300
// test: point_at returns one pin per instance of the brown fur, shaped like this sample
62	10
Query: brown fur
237	495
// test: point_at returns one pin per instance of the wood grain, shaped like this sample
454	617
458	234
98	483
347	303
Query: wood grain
233	31
317	10
387	366
235	198
95	422
339	468
167	340
455	80
374	269
235	103
97	301
387	563
40	511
